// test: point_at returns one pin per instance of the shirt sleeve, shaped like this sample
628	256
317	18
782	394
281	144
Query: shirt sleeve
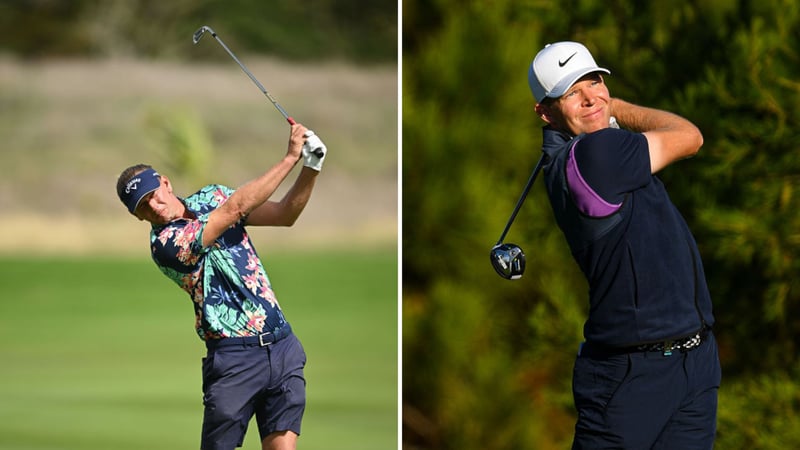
604	166
179	246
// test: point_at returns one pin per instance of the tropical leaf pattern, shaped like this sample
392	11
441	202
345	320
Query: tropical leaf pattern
227	283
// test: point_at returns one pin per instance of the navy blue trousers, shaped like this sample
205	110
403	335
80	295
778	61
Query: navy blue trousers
243	380
646	400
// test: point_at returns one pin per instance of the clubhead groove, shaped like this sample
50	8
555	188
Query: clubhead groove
200	32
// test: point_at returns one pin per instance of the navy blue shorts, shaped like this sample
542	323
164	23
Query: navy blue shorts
646	400
240	381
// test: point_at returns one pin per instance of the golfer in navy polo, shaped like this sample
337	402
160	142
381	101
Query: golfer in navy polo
254	364
648	372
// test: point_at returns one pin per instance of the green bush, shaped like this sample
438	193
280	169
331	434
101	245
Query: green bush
182	143
761	412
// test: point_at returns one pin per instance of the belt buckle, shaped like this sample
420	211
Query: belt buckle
668	346
261	339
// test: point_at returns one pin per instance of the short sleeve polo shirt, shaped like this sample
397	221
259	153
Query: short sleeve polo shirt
646	280
226	281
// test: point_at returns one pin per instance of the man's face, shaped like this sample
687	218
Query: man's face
582	109
160	206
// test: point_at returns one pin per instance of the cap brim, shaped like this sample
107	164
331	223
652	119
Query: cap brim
139	197
567	82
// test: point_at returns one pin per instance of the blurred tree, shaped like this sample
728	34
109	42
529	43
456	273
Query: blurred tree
131	28
352	30
35	28
750	219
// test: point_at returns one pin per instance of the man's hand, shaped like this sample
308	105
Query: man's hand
311	150
296	141
669	136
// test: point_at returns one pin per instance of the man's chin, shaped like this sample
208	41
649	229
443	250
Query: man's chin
600	125
159	221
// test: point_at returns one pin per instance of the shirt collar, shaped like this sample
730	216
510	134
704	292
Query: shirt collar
553	140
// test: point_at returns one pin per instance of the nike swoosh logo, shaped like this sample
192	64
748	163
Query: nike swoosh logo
564	62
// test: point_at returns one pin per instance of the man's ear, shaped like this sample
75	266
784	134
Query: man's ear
167	183
544	113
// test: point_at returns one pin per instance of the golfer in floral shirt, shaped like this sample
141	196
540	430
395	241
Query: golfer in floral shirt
254	364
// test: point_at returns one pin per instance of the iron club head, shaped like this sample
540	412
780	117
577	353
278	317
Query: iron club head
508	260
200	32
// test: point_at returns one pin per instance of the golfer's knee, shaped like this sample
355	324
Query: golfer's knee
280	440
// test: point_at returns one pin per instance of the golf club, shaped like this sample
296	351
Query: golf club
508	260
319	151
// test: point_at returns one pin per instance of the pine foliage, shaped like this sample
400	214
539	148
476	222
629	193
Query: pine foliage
486	362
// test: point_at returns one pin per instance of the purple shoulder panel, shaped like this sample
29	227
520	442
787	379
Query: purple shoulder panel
586	199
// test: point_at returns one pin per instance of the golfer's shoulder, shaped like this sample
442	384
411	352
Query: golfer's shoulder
212	192
607	142
210	188
208	198
608	137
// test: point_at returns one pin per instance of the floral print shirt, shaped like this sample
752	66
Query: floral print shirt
226	281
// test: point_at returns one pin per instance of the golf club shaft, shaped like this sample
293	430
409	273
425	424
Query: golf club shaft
319	151
255	80
522	197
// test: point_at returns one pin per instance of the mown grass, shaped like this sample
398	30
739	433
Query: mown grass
100	353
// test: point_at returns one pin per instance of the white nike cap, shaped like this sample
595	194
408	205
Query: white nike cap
557	67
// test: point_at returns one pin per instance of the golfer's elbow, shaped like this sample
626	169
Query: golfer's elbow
694	144
289	216
237	210
289	221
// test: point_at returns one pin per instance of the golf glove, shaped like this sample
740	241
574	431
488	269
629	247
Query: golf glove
312	149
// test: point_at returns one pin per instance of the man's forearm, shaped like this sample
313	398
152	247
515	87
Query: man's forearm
255	192
297	198
285	212
669	137
640	119
246	199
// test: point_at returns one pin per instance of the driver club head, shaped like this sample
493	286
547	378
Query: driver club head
200	32
508	260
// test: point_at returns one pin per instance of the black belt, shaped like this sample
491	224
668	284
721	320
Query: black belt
261	340
666	347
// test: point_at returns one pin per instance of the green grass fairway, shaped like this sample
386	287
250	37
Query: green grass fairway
100	353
